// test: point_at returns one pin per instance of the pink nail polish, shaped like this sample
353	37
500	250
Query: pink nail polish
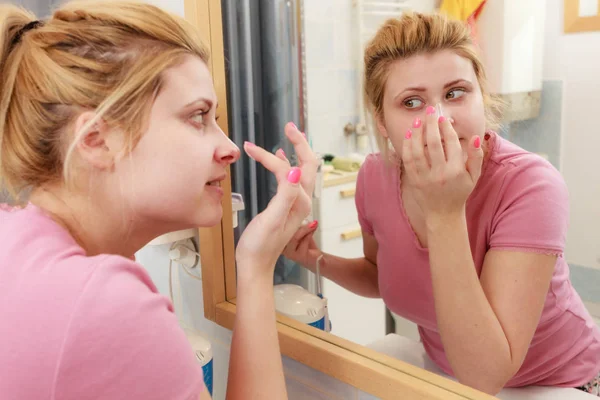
249	144
313	224
408	134
282	152
294	175
417	123
477	142
294	125
441	119
430	110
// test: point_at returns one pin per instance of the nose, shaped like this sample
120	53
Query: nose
227	152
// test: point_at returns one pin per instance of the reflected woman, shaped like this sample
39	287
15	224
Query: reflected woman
463	231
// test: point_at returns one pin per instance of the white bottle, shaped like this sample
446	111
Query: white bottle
204	356
296	302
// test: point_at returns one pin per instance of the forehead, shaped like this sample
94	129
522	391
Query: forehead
430	70
187	82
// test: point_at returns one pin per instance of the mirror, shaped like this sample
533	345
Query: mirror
301	61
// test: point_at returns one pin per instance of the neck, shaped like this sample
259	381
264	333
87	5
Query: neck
97	228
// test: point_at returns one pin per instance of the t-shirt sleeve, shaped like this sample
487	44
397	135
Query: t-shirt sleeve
360	197
124	341
533	211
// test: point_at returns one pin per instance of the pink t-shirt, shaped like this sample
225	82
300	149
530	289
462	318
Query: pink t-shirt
74	327
520	203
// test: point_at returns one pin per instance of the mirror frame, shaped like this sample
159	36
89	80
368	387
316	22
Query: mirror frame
366	369
574	23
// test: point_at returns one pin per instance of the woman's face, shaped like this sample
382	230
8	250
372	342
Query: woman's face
172	177
424	80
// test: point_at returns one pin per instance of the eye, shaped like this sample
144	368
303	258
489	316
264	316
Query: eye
413	103
455	94
198	117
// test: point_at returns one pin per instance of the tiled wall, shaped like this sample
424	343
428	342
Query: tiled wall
331	73
543	135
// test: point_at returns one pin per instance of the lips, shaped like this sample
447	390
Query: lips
217	181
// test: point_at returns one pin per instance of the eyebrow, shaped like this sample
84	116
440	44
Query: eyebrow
208	102
422	89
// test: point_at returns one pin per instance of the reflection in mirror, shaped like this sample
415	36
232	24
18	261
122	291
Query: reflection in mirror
446	225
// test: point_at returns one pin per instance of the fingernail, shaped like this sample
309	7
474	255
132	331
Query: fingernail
249	144
408	134
441	119
313	224
304	134
294	175
293	125
430	110
417	123
477	142
282	152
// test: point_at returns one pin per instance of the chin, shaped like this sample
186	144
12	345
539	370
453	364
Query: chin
207	217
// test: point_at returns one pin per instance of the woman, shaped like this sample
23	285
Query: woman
108	122
463	231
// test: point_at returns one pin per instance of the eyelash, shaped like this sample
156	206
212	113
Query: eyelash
450	91
202	114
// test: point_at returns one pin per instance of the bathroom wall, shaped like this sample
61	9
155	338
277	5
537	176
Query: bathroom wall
567	133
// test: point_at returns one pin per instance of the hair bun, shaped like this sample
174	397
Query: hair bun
71	16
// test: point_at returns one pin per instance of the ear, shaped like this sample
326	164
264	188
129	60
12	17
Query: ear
98	145
381	126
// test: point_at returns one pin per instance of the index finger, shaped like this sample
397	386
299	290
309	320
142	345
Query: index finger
453	149
270	161
307	160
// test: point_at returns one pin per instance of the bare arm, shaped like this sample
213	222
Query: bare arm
486	324
358	275
255	367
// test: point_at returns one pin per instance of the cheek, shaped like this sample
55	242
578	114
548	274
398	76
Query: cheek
469	119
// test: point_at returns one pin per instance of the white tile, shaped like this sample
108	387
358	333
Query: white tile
318	10
319	44
327	134
347	92
317	380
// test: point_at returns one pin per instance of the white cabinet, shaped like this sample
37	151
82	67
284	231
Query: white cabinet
355	318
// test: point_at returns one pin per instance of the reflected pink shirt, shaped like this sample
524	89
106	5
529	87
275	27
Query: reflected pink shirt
519	204
75	327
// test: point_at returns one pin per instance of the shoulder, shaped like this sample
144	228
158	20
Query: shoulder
520	173
374	170
122	329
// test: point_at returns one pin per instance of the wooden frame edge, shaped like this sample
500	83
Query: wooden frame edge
573	23
216	242
373	373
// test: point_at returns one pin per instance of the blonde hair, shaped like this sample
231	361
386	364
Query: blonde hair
108	57
413	34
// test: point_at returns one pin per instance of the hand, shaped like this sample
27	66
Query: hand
442	184
302	247
264	238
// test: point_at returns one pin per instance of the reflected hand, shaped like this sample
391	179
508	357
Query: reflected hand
444	182
302	247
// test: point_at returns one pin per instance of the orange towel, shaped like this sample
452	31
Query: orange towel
464	10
